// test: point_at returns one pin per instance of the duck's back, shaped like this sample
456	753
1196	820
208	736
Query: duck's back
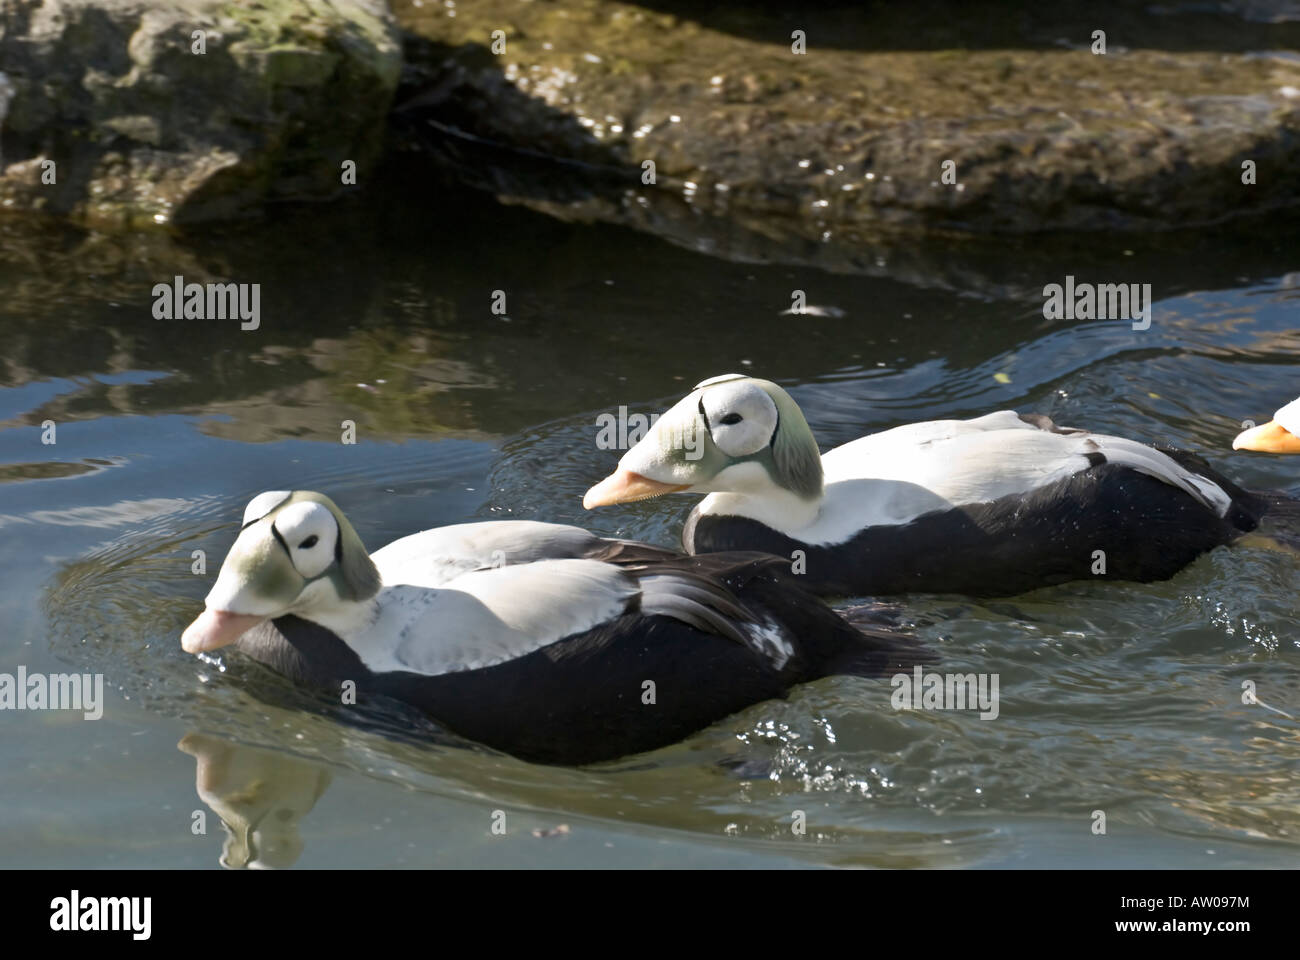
995	506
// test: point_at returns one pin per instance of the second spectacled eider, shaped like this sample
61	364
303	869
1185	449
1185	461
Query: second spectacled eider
991	506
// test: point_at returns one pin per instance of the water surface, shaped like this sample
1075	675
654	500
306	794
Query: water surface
1115	697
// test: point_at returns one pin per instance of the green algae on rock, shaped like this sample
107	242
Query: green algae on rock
744	131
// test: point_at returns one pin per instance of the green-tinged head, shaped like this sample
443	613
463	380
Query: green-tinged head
730	434
294	550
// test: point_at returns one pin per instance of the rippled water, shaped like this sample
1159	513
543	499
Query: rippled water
1114	697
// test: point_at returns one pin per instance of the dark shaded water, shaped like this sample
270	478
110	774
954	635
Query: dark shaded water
1114	697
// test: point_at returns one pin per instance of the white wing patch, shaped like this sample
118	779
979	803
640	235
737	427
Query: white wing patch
769	639
432	558
897	475
488	617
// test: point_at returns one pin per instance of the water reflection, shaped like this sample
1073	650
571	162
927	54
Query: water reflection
396	332
260	796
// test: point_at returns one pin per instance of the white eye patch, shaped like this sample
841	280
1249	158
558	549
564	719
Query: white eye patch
262	504
310	531
742	417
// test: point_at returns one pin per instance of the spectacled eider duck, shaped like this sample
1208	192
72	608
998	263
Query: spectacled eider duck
1279	435
992	506
540	640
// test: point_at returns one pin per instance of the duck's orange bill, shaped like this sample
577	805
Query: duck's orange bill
215	629
623	486
1270	437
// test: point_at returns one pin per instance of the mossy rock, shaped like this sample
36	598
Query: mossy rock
190	110
855	135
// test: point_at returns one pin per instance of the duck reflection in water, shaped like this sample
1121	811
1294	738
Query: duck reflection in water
260	795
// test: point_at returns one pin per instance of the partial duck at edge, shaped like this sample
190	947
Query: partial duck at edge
1279	435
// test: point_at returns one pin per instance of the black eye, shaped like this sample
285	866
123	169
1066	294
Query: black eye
309	542
730	419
